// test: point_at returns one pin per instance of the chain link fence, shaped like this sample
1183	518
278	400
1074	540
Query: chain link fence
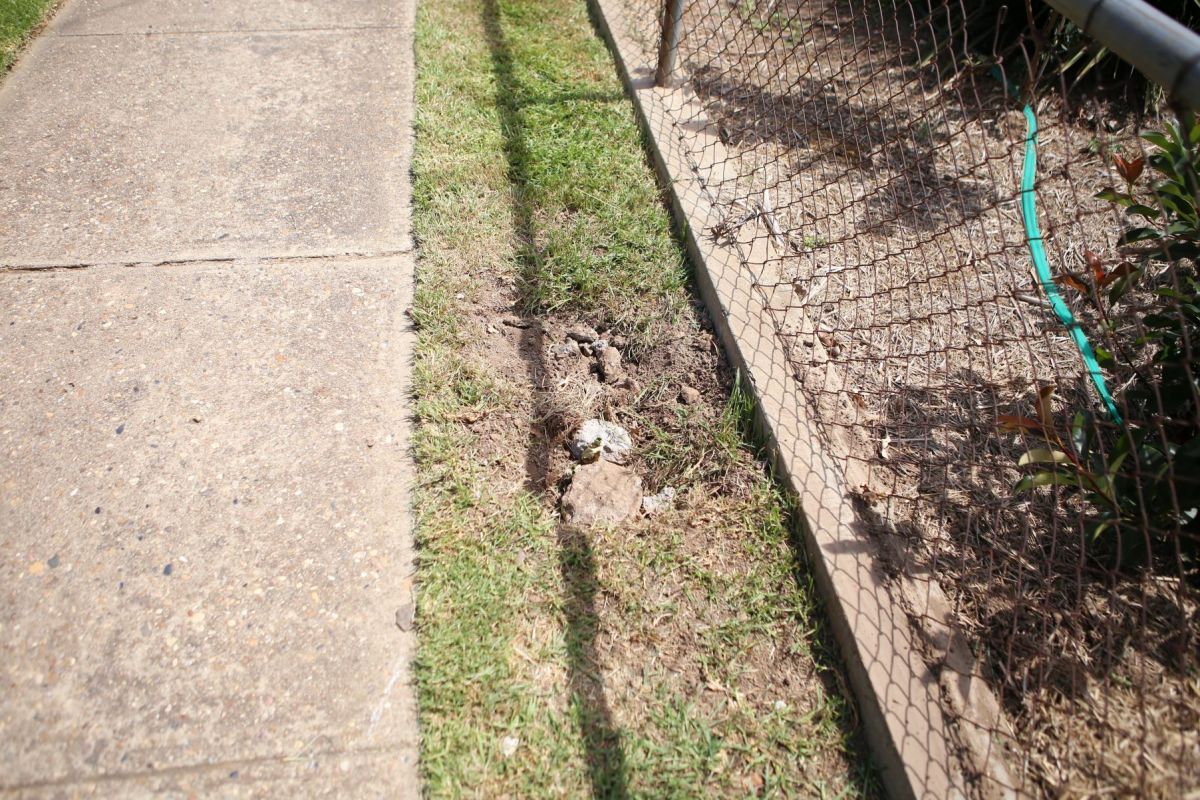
976	232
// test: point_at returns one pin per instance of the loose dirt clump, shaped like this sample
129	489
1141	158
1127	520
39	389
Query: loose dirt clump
692	616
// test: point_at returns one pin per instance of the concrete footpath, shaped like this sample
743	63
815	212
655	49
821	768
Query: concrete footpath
205	539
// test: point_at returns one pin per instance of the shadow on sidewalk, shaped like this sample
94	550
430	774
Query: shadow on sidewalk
589	705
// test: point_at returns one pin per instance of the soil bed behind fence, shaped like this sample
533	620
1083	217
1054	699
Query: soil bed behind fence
880	159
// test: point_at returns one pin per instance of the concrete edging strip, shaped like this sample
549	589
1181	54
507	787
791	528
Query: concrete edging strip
919	750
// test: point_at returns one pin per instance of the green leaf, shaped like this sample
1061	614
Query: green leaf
1139	235
1173	251
1122	286
1101	526
1145	211
1157	139
1177	137
1113	196
1170	187
1046	479
1166	165
1044	455
1080	430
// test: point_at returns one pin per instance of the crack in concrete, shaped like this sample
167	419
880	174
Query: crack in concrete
175	262
223	31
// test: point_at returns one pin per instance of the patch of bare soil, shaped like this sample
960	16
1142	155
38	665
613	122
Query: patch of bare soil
887	182
695	606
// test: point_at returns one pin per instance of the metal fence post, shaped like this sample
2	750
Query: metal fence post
1164	50
672	18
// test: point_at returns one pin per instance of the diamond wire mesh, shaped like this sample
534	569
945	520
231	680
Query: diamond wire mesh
870	176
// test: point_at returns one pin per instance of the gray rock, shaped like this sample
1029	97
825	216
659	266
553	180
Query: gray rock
602	494
654	503
689	396
583	334
405	616
610	364
564	350
615	441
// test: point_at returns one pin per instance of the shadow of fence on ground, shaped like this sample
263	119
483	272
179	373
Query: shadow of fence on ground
589	705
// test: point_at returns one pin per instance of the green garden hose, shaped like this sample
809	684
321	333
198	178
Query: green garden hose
1033	235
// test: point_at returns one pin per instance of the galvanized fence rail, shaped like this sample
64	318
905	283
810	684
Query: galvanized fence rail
969	232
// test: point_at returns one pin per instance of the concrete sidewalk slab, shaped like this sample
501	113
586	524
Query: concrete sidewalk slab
118	149
107	17
205	530
314	775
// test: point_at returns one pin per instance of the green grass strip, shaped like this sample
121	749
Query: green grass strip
529	171
18	18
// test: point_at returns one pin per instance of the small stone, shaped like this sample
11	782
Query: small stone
599	346
515	322
564	350
586	349
689	396
53	562
120	429
628	384
168	569
509	745
615	441
405	616
610	365
602	493
654	503
490	328
583	334
780	705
